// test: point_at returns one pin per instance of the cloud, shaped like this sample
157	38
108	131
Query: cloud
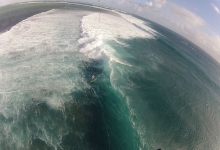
120	2
4	2
190	25
148	4
187	24
209	43
185	15
159	3
154	6
140	7
215	8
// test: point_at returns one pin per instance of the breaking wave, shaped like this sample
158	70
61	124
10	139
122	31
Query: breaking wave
79	79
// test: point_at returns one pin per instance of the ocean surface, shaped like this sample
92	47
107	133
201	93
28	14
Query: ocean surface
84	78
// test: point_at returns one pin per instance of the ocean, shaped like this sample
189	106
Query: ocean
79	77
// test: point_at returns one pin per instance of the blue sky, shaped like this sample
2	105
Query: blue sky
206	10
197	20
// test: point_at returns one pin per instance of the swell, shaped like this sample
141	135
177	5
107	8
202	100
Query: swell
109	113
47	98
146	93
95	42
171	102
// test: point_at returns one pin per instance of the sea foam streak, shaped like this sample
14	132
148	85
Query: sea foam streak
39	66
98	27
45	35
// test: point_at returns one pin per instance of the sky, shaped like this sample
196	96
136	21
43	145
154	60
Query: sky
196	20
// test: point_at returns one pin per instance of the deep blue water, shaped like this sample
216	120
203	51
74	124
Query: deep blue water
148	93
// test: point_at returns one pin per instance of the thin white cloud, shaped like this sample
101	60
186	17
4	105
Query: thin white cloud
209	43
159	3
140	7
187	24
120	2
190	25
137	8
148	4
215	8
4	2
186	15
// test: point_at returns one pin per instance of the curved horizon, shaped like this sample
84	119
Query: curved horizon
96	76
185	18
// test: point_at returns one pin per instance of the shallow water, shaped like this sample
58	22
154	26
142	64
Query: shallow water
152	89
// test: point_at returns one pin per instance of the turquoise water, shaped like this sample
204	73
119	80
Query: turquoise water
152	89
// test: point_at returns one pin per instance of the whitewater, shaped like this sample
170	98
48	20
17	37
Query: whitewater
149	90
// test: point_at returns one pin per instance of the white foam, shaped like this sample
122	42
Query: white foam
33	50
98	27
39	64
38	29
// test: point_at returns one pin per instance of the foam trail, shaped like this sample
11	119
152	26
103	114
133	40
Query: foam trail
96	31
38	67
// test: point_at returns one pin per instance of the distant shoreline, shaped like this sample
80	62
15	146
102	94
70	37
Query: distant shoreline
12	14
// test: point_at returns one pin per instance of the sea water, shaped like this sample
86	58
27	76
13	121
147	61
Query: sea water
151	89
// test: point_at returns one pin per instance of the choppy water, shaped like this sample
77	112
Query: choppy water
152	88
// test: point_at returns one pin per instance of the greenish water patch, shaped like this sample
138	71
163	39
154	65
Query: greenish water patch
146	94
168	95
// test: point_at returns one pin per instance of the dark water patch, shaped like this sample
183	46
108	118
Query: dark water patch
109	125
194	53
92	68
193	67
39	144
98	133
94	117
6	120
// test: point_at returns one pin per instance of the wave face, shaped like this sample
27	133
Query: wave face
79	79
